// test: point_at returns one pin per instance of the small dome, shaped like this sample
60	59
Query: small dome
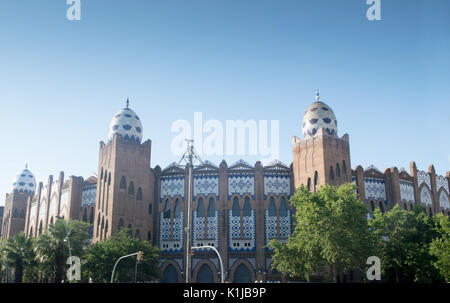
127	124
24	182
319	115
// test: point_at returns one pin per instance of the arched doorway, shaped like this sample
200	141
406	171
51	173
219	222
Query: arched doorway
205	274
242	275
170	275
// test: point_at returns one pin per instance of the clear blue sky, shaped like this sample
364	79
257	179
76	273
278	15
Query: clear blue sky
61	82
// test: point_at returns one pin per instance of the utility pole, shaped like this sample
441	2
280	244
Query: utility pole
189	156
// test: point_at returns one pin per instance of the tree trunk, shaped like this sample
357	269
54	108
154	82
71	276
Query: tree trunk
18	271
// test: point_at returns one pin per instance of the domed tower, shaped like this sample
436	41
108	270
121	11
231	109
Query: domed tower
321	157
23	188
125	182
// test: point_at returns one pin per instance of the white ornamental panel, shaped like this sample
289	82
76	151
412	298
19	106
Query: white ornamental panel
277	185
443	200
423	177
172	187
88	195
425	196
241	184
441	182
206	185
375	188
64	202
407	191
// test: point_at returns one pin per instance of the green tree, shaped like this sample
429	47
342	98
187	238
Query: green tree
404	239
52	247
100	259
440	246
19	253
330	230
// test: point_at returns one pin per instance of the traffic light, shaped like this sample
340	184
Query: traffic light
140	256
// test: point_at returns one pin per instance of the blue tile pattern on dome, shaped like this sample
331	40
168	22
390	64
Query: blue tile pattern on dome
24	182
319	115
127	124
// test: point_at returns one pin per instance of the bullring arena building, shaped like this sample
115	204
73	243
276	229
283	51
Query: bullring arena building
237	207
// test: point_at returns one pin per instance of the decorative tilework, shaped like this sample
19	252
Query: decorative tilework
443	200
55	186
241	184
248	241
407	191
277	185
425	196
206	185
88	195
285	226
212	230
53	206
178	227
33	211
375	188
172	187
64	202
441	182
270	226
42	209
423	177
176	243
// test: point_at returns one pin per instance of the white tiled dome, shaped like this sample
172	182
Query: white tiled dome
127	124
319	115
24	182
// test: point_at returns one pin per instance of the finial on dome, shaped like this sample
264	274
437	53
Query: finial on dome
26	165
128	102
317	95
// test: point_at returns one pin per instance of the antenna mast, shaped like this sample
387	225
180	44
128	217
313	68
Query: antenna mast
189	156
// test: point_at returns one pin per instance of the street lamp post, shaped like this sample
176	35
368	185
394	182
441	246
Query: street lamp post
115	265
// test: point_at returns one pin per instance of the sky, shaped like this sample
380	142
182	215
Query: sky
62	81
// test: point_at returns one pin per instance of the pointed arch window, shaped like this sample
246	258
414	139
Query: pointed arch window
166	214
200	208
177	211
131	189
236	210
283	207
331	173
272	210
309	184
247	207
344	167
211	208
316	180
139	194
123	183
338	170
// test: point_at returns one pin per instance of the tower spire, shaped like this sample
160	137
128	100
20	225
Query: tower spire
128	102
317	95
